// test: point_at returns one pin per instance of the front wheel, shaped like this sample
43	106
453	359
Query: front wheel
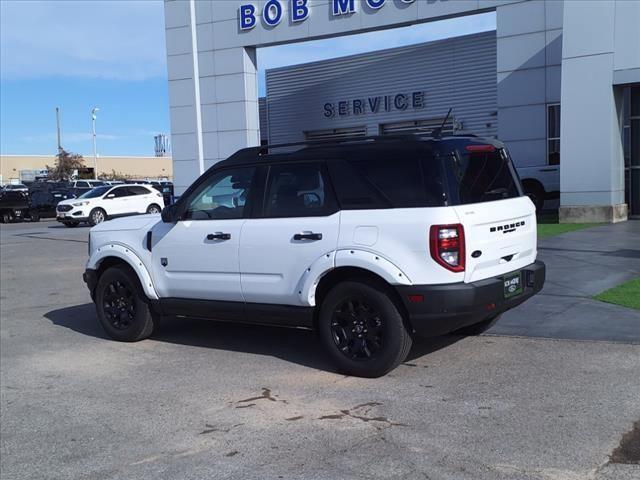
122	307
153	208
7	217
362	329
97	216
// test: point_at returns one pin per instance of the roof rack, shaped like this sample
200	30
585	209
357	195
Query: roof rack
265	149
249	153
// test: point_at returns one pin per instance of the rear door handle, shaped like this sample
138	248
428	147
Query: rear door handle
307	236
219	236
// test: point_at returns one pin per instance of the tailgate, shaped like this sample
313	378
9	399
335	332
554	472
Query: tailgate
500	237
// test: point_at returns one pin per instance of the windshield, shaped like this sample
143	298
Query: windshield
95	192
480	176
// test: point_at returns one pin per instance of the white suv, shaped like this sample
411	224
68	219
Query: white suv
368	242
102	203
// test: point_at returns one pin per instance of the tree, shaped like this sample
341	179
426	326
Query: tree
66	165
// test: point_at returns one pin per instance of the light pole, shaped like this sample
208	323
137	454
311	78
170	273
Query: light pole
95	152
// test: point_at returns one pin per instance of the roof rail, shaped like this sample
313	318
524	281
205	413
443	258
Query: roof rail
263	149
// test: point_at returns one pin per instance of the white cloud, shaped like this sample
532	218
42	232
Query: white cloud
100	39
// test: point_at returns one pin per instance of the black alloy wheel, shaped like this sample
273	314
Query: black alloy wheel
362	328
118	305
357	329
121	305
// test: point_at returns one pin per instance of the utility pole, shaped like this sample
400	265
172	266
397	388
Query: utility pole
58	130
95	151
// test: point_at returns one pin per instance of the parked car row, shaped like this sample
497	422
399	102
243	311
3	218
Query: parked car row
41	199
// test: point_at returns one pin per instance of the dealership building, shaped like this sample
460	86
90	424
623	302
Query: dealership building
557	82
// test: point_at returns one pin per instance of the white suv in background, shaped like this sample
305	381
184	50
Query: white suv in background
106	202
369	242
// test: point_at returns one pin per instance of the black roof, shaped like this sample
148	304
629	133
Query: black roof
311	149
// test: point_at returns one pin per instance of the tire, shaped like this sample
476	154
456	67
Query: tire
35	217
7	217
97	216
71	224
362	329
478	328
154	208
121	305
536	193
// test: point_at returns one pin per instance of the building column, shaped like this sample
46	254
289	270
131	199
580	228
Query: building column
213	95
592	161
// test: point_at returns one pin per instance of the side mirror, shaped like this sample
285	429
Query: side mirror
170	213
111	195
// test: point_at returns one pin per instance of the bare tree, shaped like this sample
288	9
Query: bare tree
66	164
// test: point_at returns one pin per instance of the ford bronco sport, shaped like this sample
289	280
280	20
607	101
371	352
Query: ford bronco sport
368	242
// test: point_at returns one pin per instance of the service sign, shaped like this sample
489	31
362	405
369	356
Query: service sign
273	10
375	104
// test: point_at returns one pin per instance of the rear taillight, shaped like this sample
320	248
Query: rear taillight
446	243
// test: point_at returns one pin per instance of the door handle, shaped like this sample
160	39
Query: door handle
307	236
219	236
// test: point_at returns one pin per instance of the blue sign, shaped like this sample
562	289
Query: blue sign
386	103
299	11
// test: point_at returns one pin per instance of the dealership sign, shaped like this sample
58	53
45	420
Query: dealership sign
273	10
382	103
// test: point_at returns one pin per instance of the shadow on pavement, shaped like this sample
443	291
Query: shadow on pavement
292	345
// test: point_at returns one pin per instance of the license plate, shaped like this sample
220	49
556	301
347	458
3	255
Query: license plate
512	284
62	215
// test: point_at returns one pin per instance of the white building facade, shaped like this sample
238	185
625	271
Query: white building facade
580	58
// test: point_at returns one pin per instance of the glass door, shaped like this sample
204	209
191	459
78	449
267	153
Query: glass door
631	143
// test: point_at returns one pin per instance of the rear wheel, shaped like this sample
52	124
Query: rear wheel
362	329
121	305
478	328
153	208
97	216
35	217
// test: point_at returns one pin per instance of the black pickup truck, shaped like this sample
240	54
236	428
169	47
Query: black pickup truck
16	204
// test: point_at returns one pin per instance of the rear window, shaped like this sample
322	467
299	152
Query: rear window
475	177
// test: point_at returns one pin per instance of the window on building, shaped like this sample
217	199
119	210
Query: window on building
419	126
553	134
336	133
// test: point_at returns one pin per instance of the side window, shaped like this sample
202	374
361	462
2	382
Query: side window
82	184
138	190
400	180
120	192
223	196
297	190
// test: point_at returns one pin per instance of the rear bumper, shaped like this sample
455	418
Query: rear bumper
446	308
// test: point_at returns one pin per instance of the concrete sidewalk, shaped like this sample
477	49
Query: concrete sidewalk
579	265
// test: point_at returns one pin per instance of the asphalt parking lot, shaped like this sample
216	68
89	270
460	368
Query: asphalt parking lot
540	397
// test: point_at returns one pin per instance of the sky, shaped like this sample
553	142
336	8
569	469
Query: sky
111	54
